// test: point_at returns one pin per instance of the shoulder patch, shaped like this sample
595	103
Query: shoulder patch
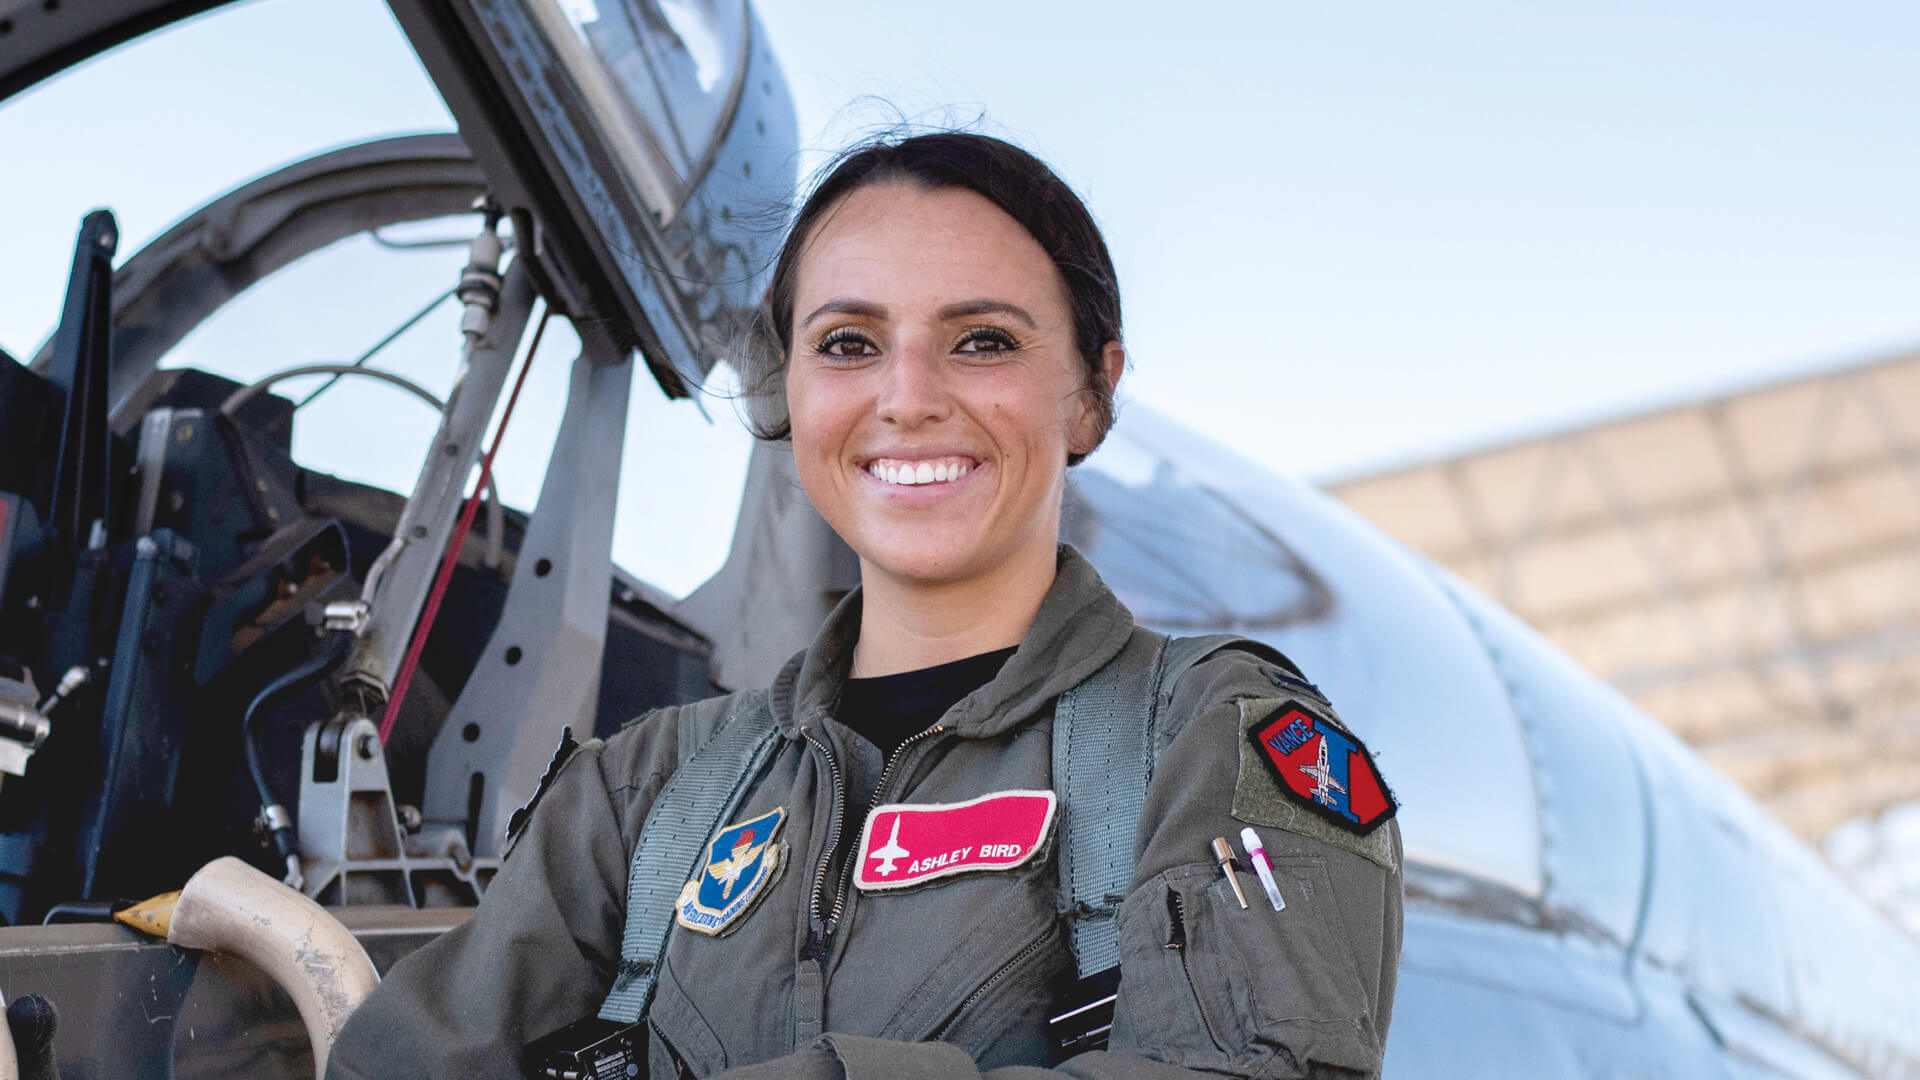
518	822
1303	772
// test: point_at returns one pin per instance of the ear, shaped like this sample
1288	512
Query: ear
1113	361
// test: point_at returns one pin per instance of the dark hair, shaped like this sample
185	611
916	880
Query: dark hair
1009	177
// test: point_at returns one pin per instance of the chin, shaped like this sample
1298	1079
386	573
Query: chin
936	563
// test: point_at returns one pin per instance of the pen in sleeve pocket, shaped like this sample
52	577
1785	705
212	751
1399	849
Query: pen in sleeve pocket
1223	854
1257	855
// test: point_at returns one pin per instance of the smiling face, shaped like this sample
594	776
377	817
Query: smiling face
933	385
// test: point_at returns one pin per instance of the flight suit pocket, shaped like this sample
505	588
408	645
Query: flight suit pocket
1208	984
990	990
1169	1006
682	1043
1002	1022
1294	981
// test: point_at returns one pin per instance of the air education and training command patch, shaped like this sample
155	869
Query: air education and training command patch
1323	767
742	859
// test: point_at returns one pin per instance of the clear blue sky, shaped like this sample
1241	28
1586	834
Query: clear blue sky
1348	234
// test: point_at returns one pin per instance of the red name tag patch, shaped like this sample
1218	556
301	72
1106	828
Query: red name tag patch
907	844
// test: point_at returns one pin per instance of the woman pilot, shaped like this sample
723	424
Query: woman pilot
882	898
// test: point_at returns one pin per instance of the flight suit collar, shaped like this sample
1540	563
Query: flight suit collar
1080	626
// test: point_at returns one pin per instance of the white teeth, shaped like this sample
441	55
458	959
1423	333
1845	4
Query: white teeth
925	472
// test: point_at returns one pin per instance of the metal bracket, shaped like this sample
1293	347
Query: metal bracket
348	615
354	849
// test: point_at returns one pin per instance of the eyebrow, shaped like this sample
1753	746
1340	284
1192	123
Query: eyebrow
847	306
867	309
987	307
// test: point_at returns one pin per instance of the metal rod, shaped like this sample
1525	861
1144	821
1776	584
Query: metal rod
411	322
409	563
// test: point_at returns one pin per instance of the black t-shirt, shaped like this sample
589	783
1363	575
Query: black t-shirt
890	709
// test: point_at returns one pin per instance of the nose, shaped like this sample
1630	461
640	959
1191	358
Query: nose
914	386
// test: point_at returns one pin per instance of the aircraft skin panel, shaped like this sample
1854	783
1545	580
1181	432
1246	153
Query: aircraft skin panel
1787	938
1487	1001
1450	1026
1569	971
1597	847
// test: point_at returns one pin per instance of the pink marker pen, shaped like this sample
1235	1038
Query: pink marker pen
1257	855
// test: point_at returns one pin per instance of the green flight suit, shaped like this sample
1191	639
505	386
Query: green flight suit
951	979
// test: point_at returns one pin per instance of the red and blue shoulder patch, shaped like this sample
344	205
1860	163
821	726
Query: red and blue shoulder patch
1322	767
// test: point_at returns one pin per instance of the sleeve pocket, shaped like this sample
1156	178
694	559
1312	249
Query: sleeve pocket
1209	984
1295	983
1158	1013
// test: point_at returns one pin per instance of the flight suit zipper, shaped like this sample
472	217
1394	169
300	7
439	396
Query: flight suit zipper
821	926
879	796
810	978
1177	938
993	980
809	1003
816	926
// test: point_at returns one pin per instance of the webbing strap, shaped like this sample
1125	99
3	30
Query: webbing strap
1101	742
1104	754
1184	652
688	811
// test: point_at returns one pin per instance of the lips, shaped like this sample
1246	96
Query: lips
912	472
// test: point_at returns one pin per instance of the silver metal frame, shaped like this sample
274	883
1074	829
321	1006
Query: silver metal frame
540	671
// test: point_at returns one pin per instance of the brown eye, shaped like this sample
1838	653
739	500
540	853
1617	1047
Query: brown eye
986	339
847	342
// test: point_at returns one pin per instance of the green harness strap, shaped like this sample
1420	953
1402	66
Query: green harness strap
702	793
1105	750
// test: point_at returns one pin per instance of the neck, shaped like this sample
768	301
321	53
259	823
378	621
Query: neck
908	625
